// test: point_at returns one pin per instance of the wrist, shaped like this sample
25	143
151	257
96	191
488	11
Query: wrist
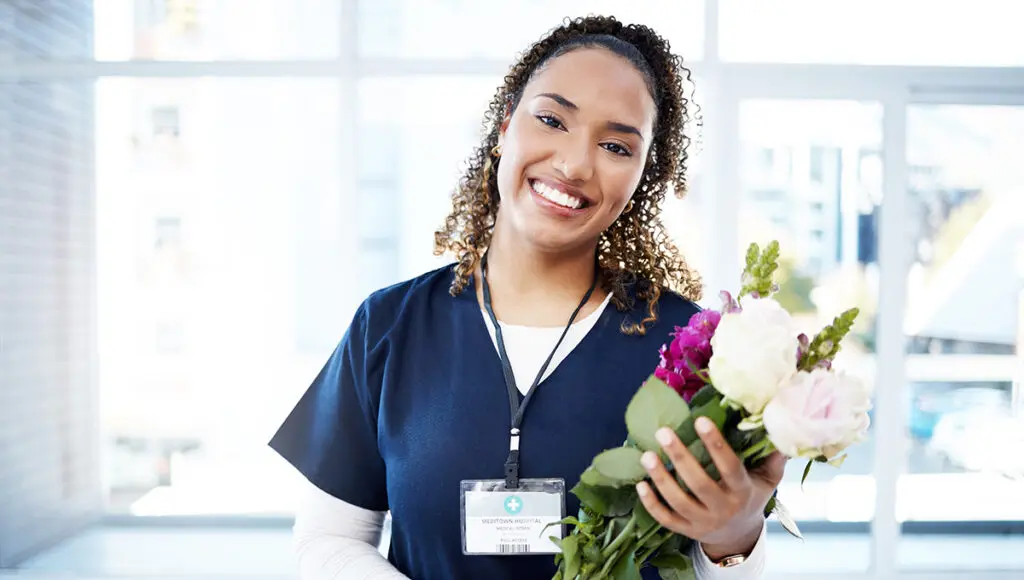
741	543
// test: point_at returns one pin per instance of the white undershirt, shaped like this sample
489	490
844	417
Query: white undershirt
335	540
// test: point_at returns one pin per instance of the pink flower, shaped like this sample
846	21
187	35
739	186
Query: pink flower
683	360
818	413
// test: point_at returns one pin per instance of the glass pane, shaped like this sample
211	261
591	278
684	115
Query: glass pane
812	179
494	30
979	33
200	30
35	30
415	133
219	209
964	311
49	459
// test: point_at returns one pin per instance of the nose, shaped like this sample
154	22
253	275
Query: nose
575	161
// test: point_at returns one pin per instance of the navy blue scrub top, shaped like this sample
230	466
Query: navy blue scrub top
413	401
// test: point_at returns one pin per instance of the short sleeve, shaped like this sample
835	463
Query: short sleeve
331	434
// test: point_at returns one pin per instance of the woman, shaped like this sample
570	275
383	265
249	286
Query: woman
561	201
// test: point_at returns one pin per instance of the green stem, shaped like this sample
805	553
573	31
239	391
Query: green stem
649	534
611	553
608	533
755	449
622	537
650	552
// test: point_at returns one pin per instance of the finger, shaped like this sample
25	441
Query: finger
734	474
773	469
660	512
690	471
669	488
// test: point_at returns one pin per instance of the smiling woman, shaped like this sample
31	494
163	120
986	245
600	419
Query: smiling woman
583	109
561	200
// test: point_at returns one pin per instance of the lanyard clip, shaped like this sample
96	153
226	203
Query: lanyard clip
512	463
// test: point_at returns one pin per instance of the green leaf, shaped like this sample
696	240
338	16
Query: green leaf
607	501
573	556
621	465
786	519
711	409
703	396
592	553
674	566
700	453
654	406
807	471
591	476
644	520
626	569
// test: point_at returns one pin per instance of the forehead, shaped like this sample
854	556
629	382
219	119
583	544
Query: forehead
602	83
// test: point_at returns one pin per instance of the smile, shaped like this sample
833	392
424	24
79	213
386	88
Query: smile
556	196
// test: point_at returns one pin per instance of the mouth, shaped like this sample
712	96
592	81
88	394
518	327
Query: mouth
558	195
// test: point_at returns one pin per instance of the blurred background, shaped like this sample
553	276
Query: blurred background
196	194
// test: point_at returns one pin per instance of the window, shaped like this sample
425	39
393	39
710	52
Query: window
962	332
488	30
168	233
202	30
908	32
166	122
250	261
815	284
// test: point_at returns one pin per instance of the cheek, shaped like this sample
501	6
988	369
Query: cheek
619	182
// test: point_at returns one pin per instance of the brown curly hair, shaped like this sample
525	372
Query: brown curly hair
635	251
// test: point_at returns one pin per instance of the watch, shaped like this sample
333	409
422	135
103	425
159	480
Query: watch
730	561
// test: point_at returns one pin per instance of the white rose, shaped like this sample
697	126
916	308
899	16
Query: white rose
818	413
754	351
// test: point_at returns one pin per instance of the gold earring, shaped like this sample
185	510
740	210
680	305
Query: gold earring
629	207
496	151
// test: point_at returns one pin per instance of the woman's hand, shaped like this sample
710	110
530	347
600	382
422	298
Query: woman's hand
727	516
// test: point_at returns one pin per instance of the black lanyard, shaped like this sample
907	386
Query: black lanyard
515	408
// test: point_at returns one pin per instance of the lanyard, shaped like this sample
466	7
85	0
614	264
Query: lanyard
517	410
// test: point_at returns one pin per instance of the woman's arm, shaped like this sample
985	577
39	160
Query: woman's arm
335	540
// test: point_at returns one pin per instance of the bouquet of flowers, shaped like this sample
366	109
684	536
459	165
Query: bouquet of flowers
766	387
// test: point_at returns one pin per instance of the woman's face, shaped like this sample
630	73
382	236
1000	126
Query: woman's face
574	150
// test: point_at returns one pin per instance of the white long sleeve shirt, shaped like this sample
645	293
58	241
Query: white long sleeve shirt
335	540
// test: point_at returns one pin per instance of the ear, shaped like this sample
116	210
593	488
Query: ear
503	128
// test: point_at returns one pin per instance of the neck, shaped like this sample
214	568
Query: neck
536	288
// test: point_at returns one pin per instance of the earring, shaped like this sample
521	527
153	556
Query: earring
496	151
629	207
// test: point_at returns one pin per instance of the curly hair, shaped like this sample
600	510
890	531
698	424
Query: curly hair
635	252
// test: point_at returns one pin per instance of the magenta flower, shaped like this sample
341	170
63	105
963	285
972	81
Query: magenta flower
686	357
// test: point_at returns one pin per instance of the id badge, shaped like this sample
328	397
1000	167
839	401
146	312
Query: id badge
500	522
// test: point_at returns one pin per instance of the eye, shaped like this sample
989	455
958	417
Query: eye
550	121
617	149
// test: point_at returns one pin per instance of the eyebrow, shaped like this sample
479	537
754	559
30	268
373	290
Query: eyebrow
614	126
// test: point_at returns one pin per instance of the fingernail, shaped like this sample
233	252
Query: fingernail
641	489
703	425
664	436
649	460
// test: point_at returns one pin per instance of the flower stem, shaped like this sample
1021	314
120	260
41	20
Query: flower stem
611	553
622	537
650	551
757	450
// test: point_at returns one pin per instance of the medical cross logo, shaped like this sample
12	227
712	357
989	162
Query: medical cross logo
513	505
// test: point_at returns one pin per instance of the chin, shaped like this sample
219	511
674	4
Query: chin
547	241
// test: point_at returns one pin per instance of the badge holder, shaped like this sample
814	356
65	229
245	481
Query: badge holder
499	521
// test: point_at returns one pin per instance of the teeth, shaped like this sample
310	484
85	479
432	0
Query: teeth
553	195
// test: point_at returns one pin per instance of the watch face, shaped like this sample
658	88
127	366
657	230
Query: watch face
730	561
